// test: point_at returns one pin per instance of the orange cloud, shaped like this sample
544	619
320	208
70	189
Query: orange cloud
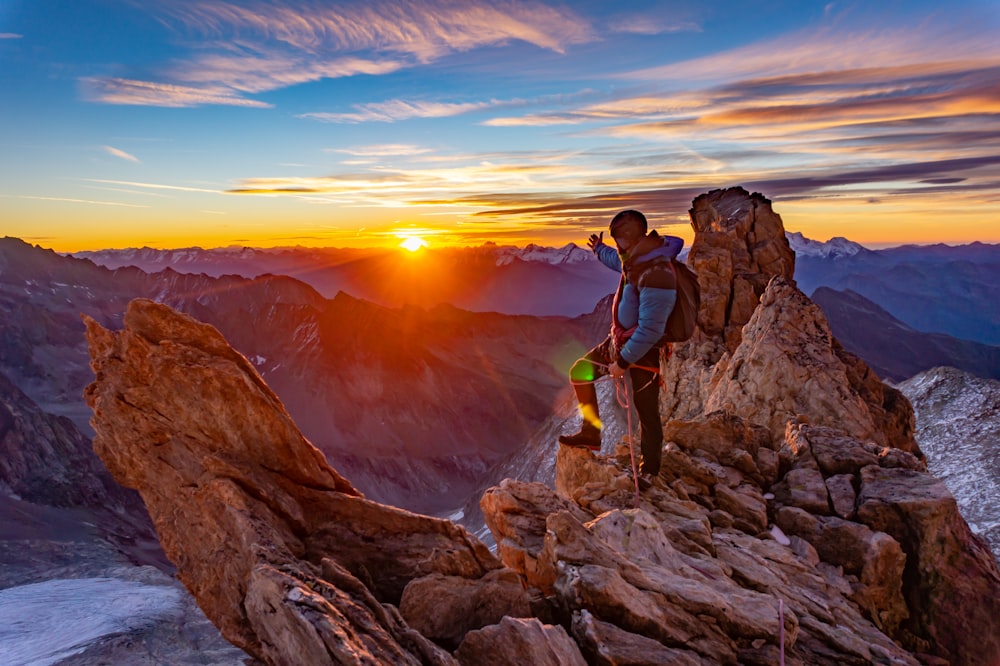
148	93
394	110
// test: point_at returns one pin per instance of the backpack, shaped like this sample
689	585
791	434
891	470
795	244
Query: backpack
684	317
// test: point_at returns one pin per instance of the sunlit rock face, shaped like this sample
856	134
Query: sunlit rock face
708	567
793	518
762	349
281	552
822	546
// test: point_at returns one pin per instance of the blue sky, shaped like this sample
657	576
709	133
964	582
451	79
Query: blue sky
182	122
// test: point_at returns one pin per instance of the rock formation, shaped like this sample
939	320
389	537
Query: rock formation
793	517
769	364
959	429
280	551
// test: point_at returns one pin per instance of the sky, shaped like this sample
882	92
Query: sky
173	123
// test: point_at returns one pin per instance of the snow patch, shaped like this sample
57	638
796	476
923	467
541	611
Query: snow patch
44	623
568	254
831	249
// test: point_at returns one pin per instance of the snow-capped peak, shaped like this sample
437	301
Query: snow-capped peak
567	254
835	247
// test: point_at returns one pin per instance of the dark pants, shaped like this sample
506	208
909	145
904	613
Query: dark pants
646	396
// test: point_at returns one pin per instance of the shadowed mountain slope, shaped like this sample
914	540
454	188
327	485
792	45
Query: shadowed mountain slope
415	403
894	350
932	288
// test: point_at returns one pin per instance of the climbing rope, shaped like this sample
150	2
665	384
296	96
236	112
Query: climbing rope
624	401
781	632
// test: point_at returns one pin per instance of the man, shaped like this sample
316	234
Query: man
645	298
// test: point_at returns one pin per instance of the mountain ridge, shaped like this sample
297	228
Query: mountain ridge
895	350
794	515
474	364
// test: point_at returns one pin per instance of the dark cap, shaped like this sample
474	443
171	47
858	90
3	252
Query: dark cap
627	217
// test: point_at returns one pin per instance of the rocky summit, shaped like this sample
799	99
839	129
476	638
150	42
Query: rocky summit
794	518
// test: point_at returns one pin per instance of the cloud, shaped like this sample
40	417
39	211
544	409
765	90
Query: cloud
83	201
265	69
814	126
644	106
382	150
148	93
120	154
394	110
153	186
644	25
10	35
424	30
257	47
838	47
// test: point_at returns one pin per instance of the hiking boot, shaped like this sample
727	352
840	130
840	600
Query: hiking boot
587	438
645	481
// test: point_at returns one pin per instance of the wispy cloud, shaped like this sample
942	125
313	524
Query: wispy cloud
646	25
254	47
423	29
901	103
120	154
152	186
147	93
10	35
382	150
394	110
83	201
944	44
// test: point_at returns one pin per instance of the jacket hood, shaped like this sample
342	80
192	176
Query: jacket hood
652	247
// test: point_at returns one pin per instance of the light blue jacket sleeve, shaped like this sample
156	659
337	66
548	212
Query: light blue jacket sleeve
609	256
655	306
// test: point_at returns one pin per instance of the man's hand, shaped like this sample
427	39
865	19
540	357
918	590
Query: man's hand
595	240
616	371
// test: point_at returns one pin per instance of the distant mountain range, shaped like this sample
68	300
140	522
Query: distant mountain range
894	350
413	403
534	280
937	298
932	288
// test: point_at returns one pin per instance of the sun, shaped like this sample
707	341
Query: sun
413	243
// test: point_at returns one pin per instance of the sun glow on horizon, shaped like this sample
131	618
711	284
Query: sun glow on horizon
413	243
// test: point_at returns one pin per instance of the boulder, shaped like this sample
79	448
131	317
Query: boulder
951	580
514	642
